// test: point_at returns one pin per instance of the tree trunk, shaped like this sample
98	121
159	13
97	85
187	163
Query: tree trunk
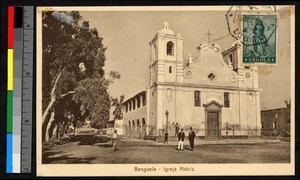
64	126
45	127
54	133
53	98
67	127
75	126
51	104
47	133
58	130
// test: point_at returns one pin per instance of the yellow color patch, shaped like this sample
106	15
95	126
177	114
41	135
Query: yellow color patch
10	69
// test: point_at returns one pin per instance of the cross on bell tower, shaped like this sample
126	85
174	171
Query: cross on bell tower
208	35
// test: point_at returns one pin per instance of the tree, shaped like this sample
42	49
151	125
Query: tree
73	61
117	103
288	103
94	99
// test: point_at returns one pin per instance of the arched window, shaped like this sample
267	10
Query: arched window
170	48
138	101
129	124
250	98
230	59
133	124
133	104
170	69
274	125
129	106
138	122
144	99
143	122
226	100
197	99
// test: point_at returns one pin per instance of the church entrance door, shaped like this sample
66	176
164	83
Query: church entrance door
213	111
212	125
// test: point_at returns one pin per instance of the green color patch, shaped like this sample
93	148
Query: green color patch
259	39
9	115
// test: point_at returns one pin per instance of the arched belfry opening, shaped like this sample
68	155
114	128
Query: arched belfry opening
170	48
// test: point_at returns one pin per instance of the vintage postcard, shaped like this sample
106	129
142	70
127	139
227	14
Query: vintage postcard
165	91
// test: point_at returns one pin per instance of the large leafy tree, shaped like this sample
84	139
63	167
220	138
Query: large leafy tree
117	104
73	75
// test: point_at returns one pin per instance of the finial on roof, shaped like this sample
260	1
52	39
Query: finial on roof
166	30
166	25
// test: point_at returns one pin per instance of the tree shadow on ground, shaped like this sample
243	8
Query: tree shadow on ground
65	159
105	145
50	153
89	139
52	156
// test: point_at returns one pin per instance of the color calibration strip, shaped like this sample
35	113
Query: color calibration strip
9	114
19	89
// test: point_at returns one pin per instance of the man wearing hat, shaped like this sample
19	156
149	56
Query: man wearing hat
191	138
181	136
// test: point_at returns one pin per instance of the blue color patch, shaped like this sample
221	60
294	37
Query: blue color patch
9	153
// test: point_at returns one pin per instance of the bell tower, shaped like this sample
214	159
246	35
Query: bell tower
166	56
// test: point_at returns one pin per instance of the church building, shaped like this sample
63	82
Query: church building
214	93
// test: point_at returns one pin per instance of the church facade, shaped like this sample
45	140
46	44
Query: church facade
214	93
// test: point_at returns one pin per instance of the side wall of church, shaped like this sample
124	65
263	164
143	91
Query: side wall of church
134	120
152	110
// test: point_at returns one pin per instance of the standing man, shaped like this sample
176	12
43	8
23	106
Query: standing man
114	140
166	137
176	129
181	136
191	138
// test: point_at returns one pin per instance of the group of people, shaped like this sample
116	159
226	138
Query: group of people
191	138
181	136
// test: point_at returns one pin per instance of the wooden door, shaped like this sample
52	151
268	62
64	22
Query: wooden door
212	125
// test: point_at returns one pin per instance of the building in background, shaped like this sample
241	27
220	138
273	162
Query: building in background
209	93
110	127
276	122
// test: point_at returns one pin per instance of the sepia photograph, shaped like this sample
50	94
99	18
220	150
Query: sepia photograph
170	90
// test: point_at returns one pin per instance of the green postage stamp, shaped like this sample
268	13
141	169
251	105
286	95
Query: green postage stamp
259	39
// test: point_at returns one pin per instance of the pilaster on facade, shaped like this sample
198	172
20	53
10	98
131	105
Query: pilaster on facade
255	77
179	72
258	115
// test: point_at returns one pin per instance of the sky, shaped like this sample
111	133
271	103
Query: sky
127	35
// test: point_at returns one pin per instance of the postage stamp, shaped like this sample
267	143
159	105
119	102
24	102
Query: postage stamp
256	28
259	39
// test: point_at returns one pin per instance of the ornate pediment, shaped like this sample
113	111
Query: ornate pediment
210	68
213	106
210	54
